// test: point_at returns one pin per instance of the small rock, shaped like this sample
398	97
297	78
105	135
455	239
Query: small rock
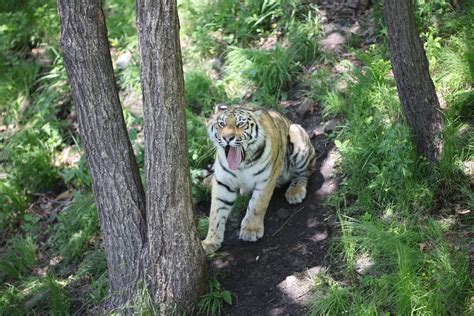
331	125
314	271
333	42
307	106
319	130
320	236
353	4
64	196
123	60
283	213
468	167
364	266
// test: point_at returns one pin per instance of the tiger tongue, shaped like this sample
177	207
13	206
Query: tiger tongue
234	157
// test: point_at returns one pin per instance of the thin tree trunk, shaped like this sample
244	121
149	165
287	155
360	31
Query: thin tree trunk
116	182
415	87
177	260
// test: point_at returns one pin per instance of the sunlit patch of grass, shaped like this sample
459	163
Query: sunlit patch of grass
416	271
270	71
390	196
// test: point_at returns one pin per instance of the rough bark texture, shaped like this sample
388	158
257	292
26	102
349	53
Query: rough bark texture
116	182
415	87
177	259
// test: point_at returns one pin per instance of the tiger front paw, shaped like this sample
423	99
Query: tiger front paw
295	193
251	231
210	246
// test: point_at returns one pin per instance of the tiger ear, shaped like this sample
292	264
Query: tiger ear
220	107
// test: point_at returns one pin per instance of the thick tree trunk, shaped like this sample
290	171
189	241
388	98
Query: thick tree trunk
177	259
415	87
116	182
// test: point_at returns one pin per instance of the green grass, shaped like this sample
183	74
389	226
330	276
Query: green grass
18	258
213	302
390	207
77	224
416	271
201	94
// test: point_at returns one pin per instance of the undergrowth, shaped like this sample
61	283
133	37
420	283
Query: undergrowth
397	219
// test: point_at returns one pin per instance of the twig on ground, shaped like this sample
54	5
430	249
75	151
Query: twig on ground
286	222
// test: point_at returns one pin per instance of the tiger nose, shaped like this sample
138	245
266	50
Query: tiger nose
229	138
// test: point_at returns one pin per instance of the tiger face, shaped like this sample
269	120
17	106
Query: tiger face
234	131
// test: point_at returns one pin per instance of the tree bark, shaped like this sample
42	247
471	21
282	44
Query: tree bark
177	259
116	181
415	87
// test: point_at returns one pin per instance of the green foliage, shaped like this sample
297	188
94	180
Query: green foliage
18	258
269	71
377	152
212	302
12	202
16	77
78	223
203	225
200	149
414	270
30	154
10	300
27	24
214	24
58	301
94	266
388	192
201	94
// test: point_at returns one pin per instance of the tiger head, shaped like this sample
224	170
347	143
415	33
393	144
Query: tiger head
235	131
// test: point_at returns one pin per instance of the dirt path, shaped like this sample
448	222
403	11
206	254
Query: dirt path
273	275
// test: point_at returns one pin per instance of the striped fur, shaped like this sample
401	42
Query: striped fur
272	151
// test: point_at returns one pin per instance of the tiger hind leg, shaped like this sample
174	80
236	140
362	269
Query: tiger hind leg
302	162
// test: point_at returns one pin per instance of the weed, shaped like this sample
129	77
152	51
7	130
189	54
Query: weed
19	258
77	224
58	301
10	300
212	302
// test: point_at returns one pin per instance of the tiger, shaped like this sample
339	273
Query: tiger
256	150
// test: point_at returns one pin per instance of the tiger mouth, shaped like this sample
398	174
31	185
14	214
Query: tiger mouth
227	149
